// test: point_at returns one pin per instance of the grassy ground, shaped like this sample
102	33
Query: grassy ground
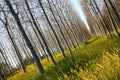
96	59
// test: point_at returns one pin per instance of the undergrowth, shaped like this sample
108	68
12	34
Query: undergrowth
96	59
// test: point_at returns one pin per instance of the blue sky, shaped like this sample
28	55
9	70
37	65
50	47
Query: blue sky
77	6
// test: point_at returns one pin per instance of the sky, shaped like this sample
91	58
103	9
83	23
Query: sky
77	6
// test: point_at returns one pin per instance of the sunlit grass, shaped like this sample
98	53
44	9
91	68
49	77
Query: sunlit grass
98	58
105	67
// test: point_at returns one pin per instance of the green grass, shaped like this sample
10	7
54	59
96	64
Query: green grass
96	59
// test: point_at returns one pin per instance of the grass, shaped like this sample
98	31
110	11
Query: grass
96	59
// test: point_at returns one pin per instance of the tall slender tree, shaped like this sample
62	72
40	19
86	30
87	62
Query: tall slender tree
39	65
13	41
43	38
59	43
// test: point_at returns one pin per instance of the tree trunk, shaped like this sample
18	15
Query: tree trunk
43	38
39	65
61	48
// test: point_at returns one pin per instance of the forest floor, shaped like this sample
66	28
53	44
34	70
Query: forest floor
96	59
